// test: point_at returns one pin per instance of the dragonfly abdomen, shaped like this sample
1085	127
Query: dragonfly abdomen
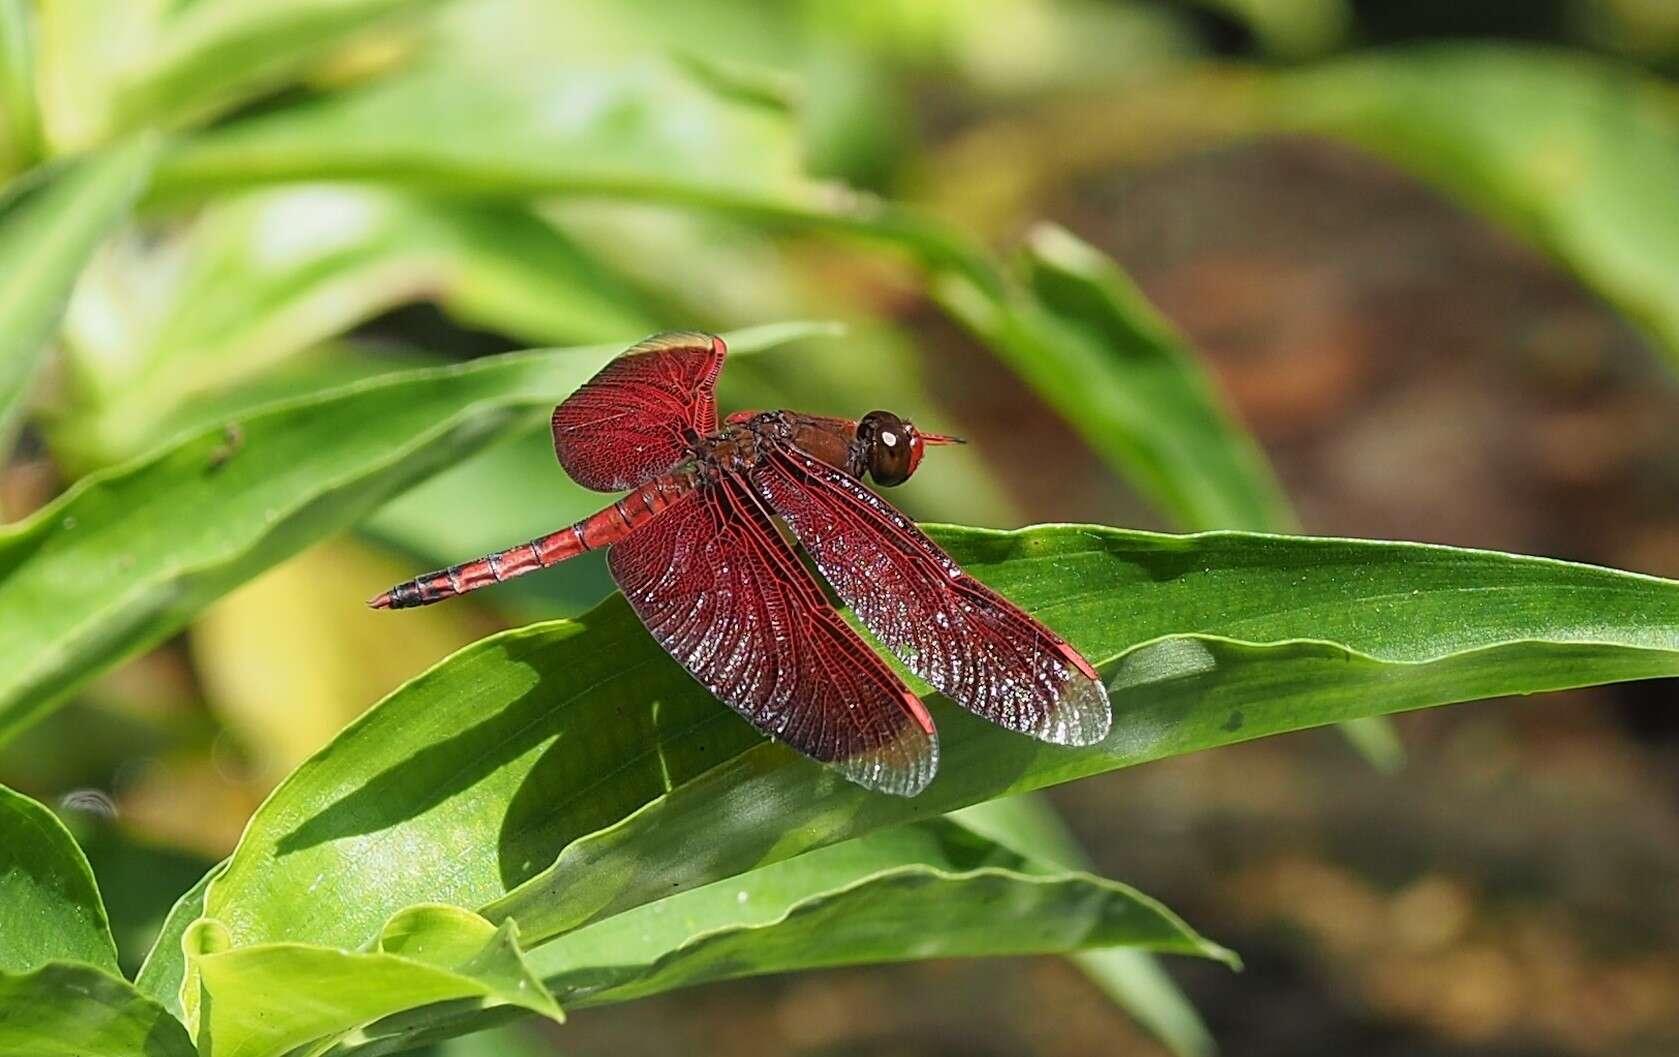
600	529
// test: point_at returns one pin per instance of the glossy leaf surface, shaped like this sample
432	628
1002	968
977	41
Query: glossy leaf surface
65	1009
580	739
928	889
270	999
51	905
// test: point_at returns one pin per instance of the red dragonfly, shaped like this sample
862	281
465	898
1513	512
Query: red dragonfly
697	553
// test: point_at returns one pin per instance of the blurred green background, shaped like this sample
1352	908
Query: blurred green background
1426	254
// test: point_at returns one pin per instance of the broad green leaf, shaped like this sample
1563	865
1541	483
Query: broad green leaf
64	1009
270	999
1089	343
165	966
464	785
47	893
928	889
1576	153
113	566
47	234
211	54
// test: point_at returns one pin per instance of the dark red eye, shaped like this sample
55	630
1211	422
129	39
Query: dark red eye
890	447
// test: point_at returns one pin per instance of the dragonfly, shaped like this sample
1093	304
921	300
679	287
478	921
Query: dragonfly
695	548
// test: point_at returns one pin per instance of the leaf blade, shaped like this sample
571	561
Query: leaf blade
209	57
570	723
165	966
52	904
270	999
65	1009
928	888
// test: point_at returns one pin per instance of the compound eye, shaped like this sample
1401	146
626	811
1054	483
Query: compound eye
890	445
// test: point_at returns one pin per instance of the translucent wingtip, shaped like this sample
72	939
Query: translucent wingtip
1082	714
902	767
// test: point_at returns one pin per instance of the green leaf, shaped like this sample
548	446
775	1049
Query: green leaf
68	1010
642	129
465	784
1576	153
165	966
52	906
1084	338
215	53
1096	350
928	889
113	566
272	998
263	277
20	121
47	234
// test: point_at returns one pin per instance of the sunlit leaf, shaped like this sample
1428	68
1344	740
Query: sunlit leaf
47	233
165	966
929	889
51	904
113	566
20	121
465	785
260	278
269	999
65	1009
1082	337
215	53
643	128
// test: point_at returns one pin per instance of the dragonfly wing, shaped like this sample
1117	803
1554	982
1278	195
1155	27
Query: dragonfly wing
627	424
724	594
978	648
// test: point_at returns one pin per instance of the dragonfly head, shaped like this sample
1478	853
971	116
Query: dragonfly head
892	446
